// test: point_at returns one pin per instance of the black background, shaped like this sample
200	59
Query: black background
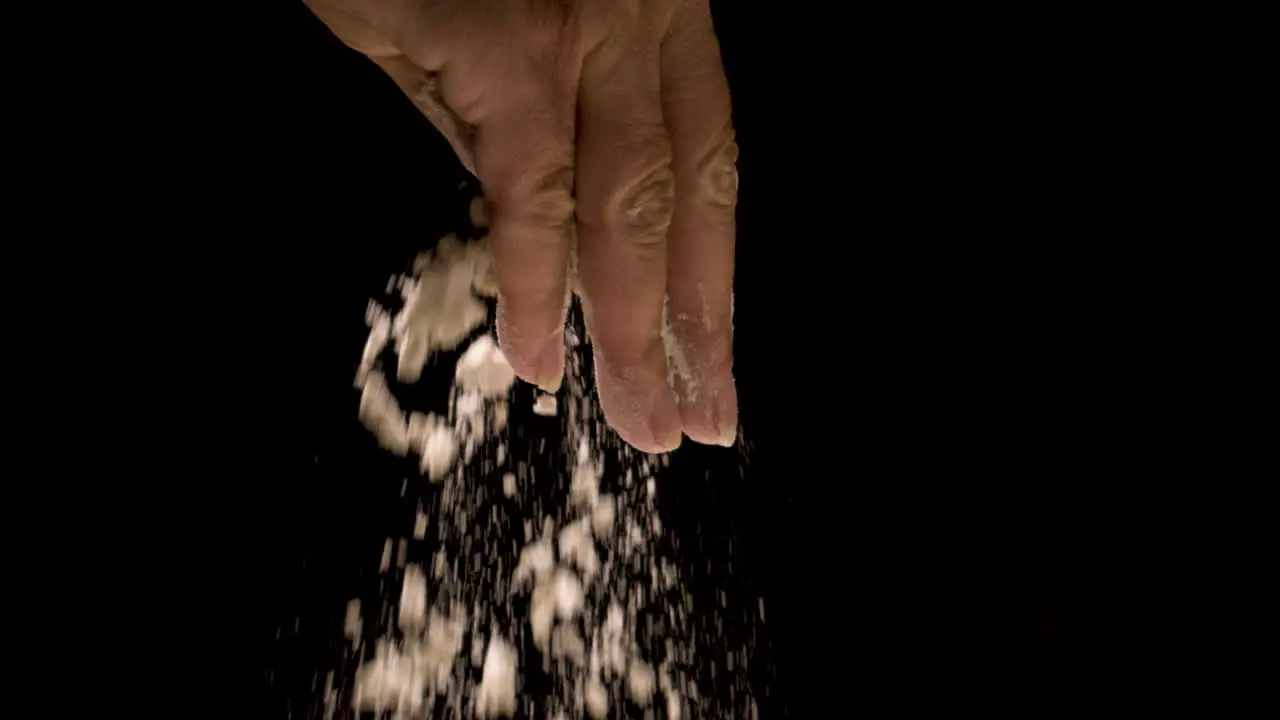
1003	350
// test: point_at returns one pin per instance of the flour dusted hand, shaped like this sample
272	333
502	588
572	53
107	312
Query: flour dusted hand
600	130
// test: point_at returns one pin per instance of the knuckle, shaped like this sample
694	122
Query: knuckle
630	186
641	209
542	199
648	205
718	170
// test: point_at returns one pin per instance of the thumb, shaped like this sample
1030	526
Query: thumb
378	29
423	89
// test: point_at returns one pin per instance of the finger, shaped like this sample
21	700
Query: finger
625	187
510	116
700	243
380	30
423	89
524	160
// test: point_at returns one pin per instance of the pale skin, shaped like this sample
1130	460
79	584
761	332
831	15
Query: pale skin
599	130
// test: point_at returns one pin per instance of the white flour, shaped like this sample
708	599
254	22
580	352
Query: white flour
545	405
583	580
496	695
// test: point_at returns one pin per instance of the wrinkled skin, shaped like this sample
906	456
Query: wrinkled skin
598	129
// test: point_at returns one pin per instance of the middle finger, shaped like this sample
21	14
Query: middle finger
625	192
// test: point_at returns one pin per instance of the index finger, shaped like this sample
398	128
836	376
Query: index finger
524	160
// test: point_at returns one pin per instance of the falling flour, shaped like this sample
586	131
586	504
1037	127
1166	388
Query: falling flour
576	592
545	405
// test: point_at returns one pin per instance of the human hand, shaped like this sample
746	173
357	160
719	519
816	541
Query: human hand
601	130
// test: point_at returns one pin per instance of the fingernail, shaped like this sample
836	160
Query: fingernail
664	421
550	364
726	410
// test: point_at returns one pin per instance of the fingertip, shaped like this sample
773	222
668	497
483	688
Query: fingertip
709	409
639	405
549	373
664	420
727	415
536	358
